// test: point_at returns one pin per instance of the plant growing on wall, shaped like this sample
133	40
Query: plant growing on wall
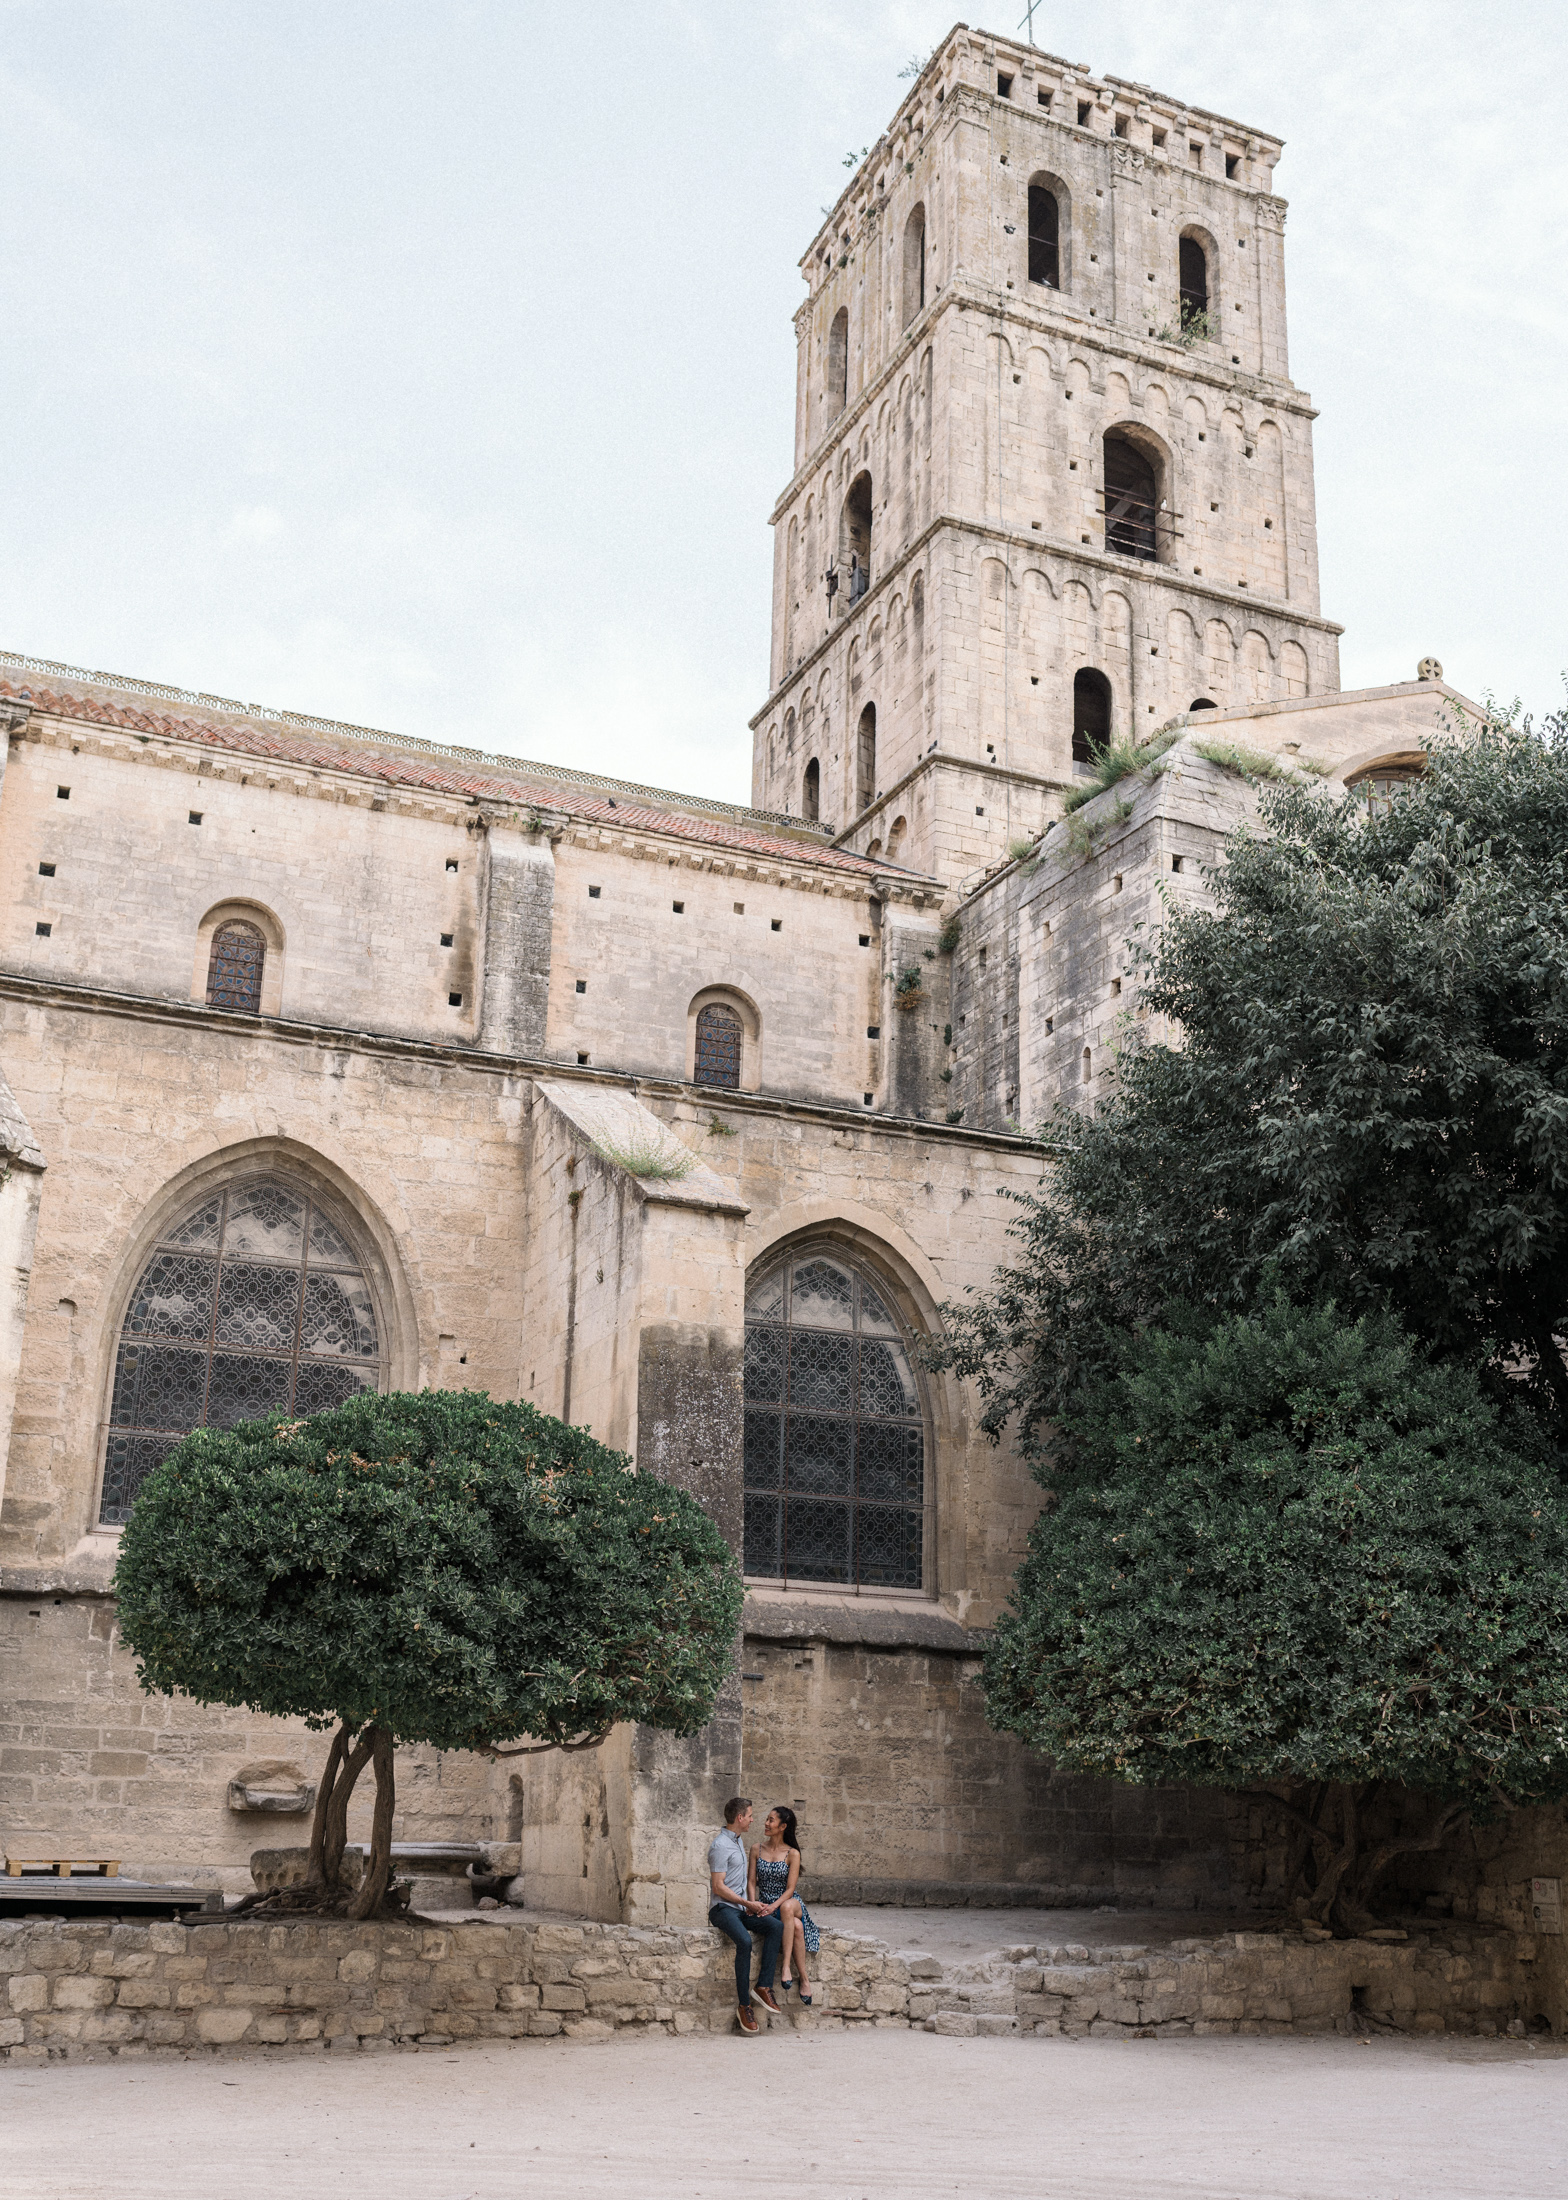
433	1567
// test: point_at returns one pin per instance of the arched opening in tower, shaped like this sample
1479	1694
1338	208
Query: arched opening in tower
811	793
1131	501
854	547
1091	714
866	759
1194	271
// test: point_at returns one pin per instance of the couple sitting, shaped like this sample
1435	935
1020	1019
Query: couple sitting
761	1888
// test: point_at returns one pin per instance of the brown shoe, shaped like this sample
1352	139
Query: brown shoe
764	1994
747	2021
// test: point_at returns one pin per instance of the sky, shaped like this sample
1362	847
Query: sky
432	367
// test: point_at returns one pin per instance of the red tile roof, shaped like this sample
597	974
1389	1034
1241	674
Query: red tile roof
636	809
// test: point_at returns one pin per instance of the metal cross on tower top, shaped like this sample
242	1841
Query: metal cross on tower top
1026	20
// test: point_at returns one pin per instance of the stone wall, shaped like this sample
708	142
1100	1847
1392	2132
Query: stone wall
85	1990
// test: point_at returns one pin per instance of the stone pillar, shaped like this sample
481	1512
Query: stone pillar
21	1186
637	1286
519	901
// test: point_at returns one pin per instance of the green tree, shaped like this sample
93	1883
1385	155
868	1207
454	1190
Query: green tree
1369	1101
1291	1550
1368	1111
434	1568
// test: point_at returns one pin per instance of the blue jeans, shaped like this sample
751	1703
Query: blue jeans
729	1919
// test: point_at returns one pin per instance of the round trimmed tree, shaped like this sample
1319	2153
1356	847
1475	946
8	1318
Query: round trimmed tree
432	1567
1292	1555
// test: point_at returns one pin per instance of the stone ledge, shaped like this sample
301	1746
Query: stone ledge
856	1623
83	1991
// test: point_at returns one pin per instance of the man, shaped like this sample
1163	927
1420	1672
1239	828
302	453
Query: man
729	1908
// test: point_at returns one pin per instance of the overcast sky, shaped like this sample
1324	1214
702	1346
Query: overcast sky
431	366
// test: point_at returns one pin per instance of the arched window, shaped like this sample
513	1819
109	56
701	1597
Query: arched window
838	363
1091	714
835	1434
1045	249
854	541
1194	271
234	967
720	1035
1131	500
811	793
1203	702
1381	785
252	1301
866	759
914	264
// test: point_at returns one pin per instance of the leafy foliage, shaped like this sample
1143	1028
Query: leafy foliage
1292	1548
1369	1103
456	1571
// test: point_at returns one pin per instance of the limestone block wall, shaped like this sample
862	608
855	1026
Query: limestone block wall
353	894
80	1992
1045	970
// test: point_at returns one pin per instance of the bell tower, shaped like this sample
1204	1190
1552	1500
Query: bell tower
1053	483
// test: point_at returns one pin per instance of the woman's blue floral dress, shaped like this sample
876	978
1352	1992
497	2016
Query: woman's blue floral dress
772	1879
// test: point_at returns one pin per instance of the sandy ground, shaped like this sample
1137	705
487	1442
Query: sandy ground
843	2116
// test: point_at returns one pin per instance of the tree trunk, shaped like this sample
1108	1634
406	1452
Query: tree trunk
1347	1870
378	1864
335	1830
315	1871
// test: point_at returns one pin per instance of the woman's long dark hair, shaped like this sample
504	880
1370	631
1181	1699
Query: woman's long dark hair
787	1818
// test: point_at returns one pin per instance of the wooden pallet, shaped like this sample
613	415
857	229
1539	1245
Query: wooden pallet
97	1867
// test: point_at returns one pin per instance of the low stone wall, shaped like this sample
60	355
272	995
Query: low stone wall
73	1990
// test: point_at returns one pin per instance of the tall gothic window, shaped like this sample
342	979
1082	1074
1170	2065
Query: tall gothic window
1045	252
234	967
251	1301
835	1437
720	1036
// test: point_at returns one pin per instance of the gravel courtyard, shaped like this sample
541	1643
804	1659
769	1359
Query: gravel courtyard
855	2116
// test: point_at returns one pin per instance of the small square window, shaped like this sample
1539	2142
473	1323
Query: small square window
62	794
582	985
873	1031
451	863
1195	152
1043	99
1116	986
1004	86
43	930
1232	166
1159	137
740	909
1116	883
593	893
979	809
679	907
46	870
1050	1025
446	939
868	1099
1085	110
865	939
454	1000
1123	125
582	1060
195	817
1176	863
778	922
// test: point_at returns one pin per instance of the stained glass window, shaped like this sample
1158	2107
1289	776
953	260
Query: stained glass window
250	1301
835	1436
719	1038
234	968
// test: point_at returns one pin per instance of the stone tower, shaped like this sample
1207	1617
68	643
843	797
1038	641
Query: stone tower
1052	480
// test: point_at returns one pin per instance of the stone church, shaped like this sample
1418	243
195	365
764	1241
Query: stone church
335	1058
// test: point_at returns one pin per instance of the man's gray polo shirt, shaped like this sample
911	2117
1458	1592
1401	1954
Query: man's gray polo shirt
727	1854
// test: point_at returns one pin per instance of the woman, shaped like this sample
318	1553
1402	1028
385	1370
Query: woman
772	1873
